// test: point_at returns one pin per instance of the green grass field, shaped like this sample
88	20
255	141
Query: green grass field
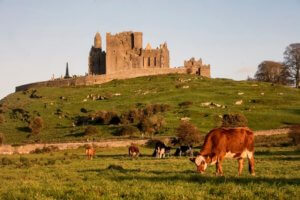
264	105
113	175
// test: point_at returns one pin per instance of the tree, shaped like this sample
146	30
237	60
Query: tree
188	134
36	125
292	62
270	71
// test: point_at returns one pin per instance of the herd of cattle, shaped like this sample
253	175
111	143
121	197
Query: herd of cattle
219	143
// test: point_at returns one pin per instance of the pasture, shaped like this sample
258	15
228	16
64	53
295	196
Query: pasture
113	175
266	106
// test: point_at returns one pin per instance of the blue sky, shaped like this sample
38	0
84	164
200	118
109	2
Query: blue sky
38	37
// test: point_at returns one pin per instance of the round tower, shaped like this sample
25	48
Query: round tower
98	41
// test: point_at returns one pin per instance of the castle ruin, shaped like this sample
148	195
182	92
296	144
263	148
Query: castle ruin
194	66
124	52
124	58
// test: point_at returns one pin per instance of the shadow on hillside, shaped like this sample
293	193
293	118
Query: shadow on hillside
79	134
24	129
214	180
293	111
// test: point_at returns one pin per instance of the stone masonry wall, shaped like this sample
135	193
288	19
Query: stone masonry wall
99	79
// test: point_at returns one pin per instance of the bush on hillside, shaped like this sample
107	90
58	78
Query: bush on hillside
81	120
127	130
48	149
234	120
1	139
105	117
36	125
91	130
185	104
152	124
294	134
188	134
2	119
132	116
6	161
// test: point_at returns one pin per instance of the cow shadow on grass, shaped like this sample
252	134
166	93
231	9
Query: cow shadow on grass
196	178
157	176
123	156
277	153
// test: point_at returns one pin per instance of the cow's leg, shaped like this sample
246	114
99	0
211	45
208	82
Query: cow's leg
241	165
251	164
219	165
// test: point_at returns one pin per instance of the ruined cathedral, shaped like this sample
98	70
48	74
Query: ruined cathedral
124	58
124	52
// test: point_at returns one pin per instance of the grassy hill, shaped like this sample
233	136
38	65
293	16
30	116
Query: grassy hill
266	106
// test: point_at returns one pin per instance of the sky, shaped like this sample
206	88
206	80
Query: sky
37	38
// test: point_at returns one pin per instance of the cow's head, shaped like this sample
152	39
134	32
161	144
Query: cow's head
200	162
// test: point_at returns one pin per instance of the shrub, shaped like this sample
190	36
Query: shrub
45	149
1	139
105	117
115	167
134	115
112	118
189	70
25	162
2	119
188	134
81	120
234	120
294	134
97	117
185	104
151	124
127	130
36	125
91	130
6	161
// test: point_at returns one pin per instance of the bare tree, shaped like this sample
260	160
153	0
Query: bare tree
292	62
270	71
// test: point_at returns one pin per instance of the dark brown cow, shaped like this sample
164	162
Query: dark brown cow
219	143
133	151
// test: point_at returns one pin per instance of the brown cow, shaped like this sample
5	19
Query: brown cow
219	143
90	152
133	151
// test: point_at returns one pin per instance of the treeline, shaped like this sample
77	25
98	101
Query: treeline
286	72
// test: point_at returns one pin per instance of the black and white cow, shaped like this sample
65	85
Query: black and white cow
184	150
161	150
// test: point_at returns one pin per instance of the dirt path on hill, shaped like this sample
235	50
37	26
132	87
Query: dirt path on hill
27	148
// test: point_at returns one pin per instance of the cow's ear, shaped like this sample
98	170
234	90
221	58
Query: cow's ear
192	160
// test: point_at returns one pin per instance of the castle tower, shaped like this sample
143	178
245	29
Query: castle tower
97	57
98	41
67	71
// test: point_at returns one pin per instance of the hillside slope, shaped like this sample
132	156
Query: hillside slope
264	105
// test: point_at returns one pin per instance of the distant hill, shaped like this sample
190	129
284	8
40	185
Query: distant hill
201	100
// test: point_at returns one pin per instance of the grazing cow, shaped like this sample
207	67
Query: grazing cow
133	151
219	143
90	152
161	150
168	151
184	150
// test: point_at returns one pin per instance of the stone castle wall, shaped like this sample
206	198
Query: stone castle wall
99	79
